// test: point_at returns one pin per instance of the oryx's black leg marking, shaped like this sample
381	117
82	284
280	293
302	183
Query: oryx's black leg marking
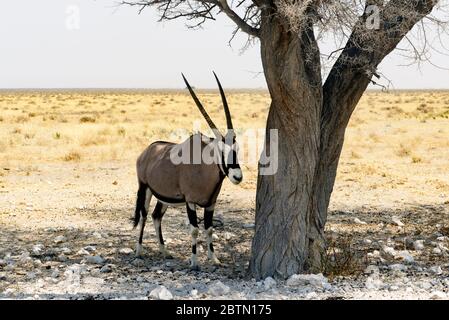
194	231
143	199
157	216
208	226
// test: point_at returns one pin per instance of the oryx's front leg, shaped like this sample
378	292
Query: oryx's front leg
194	231
157	216
208	226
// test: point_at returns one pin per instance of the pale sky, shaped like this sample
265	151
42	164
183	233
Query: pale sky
42	47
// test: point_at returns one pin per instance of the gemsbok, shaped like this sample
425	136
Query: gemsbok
190	173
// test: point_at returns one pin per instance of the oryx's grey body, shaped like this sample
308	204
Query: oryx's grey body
175	184
189	173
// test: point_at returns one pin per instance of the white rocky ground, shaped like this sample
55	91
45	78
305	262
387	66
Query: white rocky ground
66	235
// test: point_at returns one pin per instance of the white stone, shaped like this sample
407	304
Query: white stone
82	252
161	293
436	251
97	235
367	241
436	269
316	280
249	226
358	221
37	249
138	262
269	283
397	222
60	239
418	245
389	250
371	269
126	251
438	295
228	235
94	259
90	248
405	256
194	293
398	267
373	283
217	288
106	269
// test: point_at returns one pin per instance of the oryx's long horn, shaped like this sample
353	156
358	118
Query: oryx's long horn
225	104
202	110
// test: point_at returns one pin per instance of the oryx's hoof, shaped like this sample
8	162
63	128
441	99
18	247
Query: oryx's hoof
214	260
195	267
139	250
168	256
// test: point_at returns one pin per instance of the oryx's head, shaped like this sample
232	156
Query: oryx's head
227	144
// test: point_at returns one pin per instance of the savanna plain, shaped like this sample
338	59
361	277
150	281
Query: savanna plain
68	188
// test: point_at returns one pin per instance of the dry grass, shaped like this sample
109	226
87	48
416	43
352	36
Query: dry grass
393	140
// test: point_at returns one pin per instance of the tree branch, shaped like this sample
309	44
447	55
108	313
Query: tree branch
202	10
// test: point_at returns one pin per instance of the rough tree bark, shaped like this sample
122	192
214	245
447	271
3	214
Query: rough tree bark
292	205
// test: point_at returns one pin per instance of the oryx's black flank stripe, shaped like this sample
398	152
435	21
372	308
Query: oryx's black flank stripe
167	199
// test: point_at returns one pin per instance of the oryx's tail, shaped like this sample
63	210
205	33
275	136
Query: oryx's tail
140	204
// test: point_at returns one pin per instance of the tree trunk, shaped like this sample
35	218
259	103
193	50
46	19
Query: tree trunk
311	119
288	237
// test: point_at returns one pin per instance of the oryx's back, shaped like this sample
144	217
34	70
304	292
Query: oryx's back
179	182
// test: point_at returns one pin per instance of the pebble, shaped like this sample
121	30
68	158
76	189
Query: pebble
126	251
82	252
397	222
138	263
418	245
97	235
217	288
373	283
405	256
269	283
60	239
316	280
37	249
161	293
228	235
371	269
106	269
398	267
358	221
90	248
94	259
249	226
436	251
438	295
436	270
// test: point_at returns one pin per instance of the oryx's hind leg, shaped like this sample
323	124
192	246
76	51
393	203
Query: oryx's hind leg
157	216
208	219
143	203
194	231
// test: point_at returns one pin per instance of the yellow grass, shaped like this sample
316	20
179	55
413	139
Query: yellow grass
394	139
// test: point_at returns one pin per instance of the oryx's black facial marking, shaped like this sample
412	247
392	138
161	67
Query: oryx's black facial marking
194	249
211	247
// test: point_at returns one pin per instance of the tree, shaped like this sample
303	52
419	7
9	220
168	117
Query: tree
311	115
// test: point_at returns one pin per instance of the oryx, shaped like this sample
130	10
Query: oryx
195	182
